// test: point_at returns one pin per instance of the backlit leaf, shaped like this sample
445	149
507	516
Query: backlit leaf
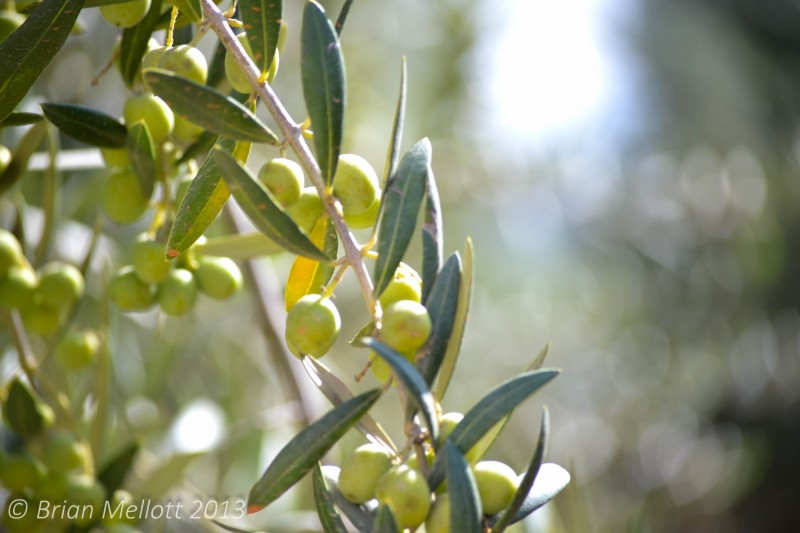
308	276
442	307
323	499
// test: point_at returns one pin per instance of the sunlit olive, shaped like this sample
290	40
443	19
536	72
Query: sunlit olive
366	219
439	518
124	201
187	61
5	158
381	369
10	252
87	493
152	58
129	292
127	14
21	471
149	261
236	76
177	293
122	511
284	179
402	287
153	111
42	319
15	522
313	324
60	284
186	131
405	491
497	484
361	470
307	210
406	326
63	453
218	277
18	287
355	184
115	157
77	349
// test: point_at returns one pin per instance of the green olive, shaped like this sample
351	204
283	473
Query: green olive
439	519
89	494
313	324
18	288
406	326
42	319
21	471
236	76
123	199
185	131
116	157
10	252
10	20
177	293
122	510
60	284
355	184
497	484
63	453
127	14
307	210
77	349
284	179
449	421
53	488
129	292
153	56
149	260
153	111
187	61
361	470
402	287
381	369
405	491
366	219
13	521
218	277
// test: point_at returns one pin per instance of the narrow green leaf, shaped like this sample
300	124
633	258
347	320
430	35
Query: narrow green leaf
322	71
462	313
393	150
23	151
208	108
20	119
398	218
26	52
307	447
116	469
261	20
201	146
134	43
240	246
385	522
550	480
98	3
432	237
361	516
538	361
337	392
413	381
142	154
366	331
342	18
86	124
525	485
442	307
323	499
263	211
490	410
465	503
190	8
204	199
26	414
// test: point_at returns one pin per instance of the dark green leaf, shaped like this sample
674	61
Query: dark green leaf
465	503
337	392
20	119
342	18
263	211
116	469
442	306
142	154
190	8
200	146
504	518
462	312
208	108
261	19
204	199
87	125
134	43
322	70
323	499
490	410
401	204
361	516
23	151
307	447
98	3
413	381
24	411
393	150
385	522
432	238
27	51
550	480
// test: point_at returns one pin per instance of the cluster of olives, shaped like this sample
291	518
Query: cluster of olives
371	472
151	279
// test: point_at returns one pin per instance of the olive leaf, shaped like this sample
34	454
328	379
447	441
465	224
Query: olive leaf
361	516
190	8
116	469
432	237
342	18
551	479
385	521
86	124
20	118
261	20
307	447
323	500
22	153
24	410
142	153
134	43
465	503
26	52
308	276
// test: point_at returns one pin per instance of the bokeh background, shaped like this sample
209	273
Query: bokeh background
628	172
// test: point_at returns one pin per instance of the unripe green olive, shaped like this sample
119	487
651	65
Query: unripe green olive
218	277
186	61
10	20
10	251
307	210
149	260
126	14
401	288
42	319
236	76
366	219
115	157
153	57
361	470
312	325
15	522
18	287
53	488
5	158
449	421
355	184
497	484
123	199
119	503
177	293
413	460
77	349
89	494
153	111
406	326
406	493
21	472
60	284
439	519
284	179
129	292
186	131
63	453
381	369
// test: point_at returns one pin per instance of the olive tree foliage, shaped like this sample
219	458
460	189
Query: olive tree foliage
177	160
